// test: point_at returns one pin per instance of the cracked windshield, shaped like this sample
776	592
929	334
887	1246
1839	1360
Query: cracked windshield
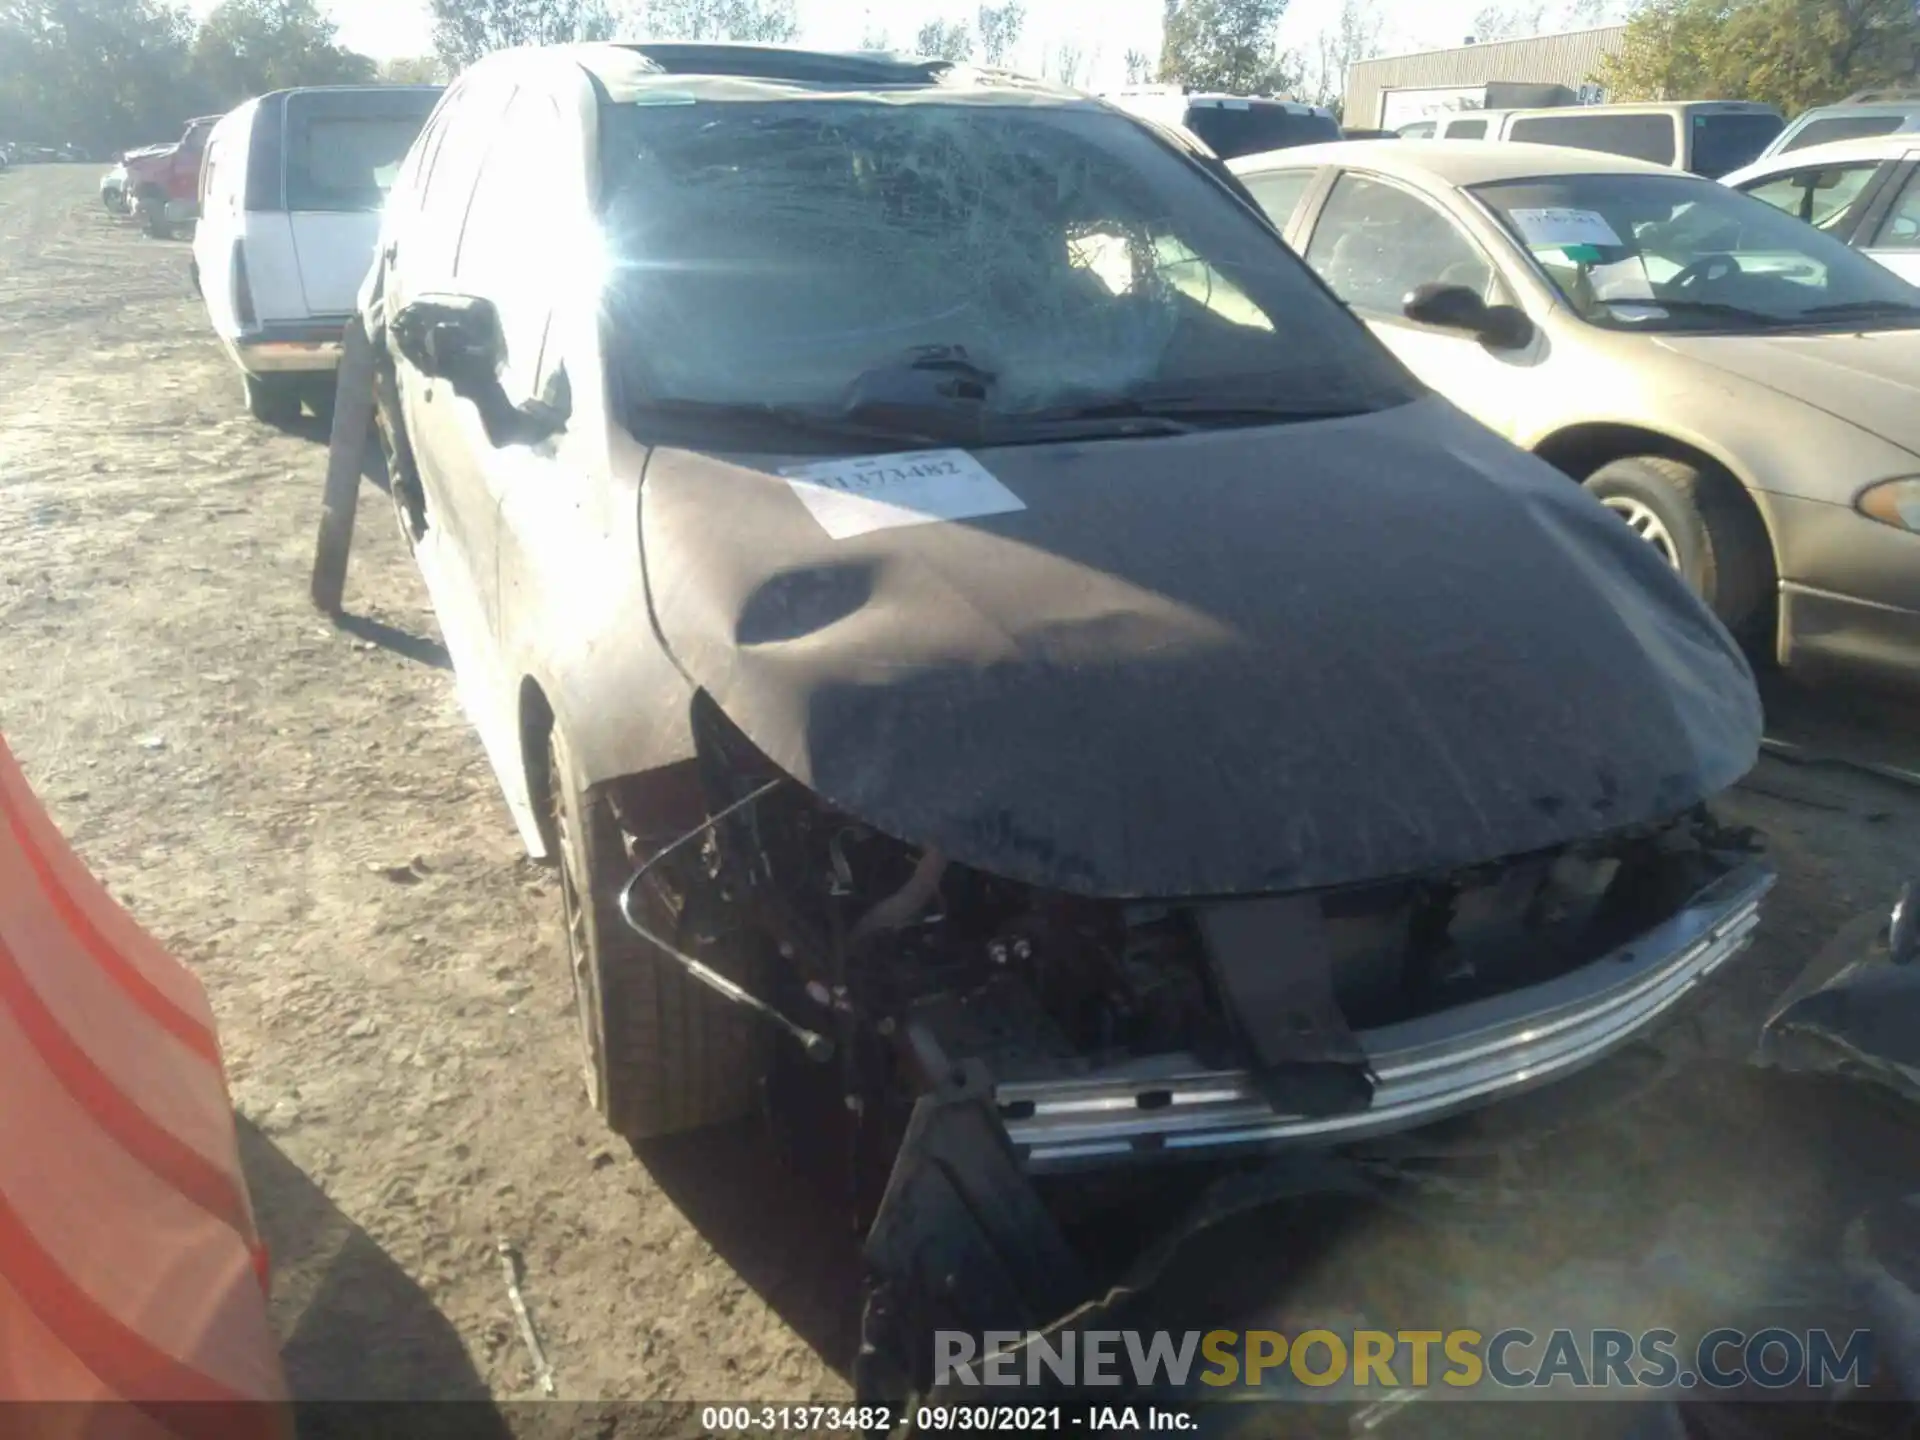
900	716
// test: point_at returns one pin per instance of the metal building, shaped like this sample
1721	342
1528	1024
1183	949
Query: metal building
1541	70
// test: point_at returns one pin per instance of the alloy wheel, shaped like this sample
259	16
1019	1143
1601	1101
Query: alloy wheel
1647	525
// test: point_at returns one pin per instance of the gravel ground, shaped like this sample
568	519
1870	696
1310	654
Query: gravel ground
301	813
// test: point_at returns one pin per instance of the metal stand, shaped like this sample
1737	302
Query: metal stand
346	456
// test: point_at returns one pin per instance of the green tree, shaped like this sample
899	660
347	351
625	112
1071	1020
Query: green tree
248	47
999	29
1353	36
464	30
106	74
1139	67
413	70
1790	53
944	40
768	22
1224	45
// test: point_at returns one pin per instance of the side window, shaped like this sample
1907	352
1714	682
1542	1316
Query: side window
1639	137
1279	192
1466	130
447	182
1376	242
1783	192
1901	229
501	256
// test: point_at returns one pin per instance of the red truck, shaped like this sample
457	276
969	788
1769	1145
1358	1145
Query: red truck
163	184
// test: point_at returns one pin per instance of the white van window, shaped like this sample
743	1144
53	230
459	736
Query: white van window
1639	137
1466	130
345	148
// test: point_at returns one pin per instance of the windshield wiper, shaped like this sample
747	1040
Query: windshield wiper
1185	411
725	415
1711	309
1889	308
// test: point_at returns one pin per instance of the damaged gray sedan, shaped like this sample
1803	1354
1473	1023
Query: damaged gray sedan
964	606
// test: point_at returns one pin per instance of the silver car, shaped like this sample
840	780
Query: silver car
1741	389
947	587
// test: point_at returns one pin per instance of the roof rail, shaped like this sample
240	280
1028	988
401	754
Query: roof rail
778	62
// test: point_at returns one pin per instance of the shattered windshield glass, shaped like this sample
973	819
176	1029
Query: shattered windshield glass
774	253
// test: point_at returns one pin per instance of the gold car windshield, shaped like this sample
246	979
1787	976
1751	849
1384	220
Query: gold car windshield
1658	252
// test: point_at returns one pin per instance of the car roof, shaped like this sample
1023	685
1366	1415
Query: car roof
727	70
1859	107
1890	146
1834	152
351	89
1455	162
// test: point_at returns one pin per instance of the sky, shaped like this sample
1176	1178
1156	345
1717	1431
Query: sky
1103	29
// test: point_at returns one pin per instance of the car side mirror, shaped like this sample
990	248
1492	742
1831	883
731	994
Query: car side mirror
455	338
1455	307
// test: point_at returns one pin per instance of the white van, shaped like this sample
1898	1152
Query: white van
291	192
1707	137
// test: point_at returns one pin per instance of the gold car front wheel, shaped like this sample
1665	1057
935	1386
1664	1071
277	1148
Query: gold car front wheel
1700	522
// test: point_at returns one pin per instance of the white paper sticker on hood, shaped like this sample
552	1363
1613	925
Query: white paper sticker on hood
1564	227
863	493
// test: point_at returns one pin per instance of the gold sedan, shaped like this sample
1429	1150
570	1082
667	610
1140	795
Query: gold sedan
1741	389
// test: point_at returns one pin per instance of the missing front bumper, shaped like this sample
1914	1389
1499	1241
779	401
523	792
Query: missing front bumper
1427	1069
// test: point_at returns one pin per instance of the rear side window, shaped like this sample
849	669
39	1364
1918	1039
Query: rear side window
1638	137
1901	229
1726	141
1842	127
1375	243
1279	193
1231	130
1466	130
344	147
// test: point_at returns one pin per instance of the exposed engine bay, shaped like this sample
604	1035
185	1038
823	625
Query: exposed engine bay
911	968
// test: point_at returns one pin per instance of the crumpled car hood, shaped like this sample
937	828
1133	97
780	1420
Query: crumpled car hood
1871	380
1228	662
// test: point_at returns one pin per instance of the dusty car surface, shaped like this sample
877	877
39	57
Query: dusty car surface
1741	389
948	587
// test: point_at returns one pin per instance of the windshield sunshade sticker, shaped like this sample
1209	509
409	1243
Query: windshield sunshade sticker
863	493
1558	226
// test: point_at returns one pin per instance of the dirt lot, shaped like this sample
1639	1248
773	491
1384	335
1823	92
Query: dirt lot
302	814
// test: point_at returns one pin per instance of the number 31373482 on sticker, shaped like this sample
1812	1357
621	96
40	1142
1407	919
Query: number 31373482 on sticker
864	493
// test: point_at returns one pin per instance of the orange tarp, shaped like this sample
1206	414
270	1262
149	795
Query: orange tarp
131	1275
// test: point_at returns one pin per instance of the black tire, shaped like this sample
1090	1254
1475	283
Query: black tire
271	399
319	396
663	1054
1702	524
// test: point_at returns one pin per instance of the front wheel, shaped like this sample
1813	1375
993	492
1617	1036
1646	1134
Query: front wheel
662	1053
1696	519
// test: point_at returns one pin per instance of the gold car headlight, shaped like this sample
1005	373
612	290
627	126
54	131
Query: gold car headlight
1893	502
